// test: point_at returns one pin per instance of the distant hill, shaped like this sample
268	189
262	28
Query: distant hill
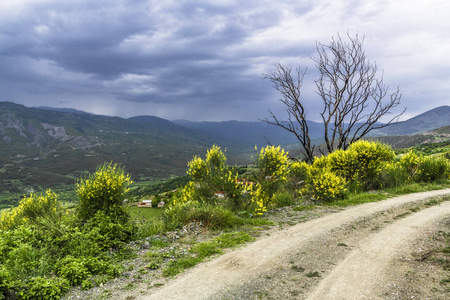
68	110
43	146
48	147
432	119
249	134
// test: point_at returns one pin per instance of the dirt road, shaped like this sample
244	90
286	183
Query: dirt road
351	254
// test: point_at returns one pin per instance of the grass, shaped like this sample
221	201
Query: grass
147	213
361	198
177	263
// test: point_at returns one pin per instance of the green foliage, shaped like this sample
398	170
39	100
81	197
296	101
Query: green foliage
283	198
31	209
104	189
49	240
433	168
410	163
421	168
114	229
369	158
447	155
210	177
192	211
299	173
392	175
40	288
216	159
72	269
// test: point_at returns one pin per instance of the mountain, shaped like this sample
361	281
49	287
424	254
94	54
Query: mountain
249	134
41	147
55	147
432	119
69	110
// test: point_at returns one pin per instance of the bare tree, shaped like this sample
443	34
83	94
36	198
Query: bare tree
352	94
289	88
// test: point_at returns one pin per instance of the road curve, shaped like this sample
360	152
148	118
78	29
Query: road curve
234	269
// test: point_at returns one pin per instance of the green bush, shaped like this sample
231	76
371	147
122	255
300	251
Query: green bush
392	175
31	209
447	155
299	173
73	269
114	229
40	288
432	169
192	211
424	168
103	190
410	163
210	176
283	198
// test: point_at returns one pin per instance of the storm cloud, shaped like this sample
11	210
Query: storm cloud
204	60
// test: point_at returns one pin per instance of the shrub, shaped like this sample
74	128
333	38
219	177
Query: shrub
210	176
273	163
392	175
283	198
216	159
432	169
327	185
72	269
299	174
447	155
114	229
192	211
30	209
410	163
198	169
370	157
104	189
40	288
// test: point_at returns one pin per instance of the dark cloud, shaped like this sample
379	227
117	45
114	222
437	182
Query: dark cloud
186	59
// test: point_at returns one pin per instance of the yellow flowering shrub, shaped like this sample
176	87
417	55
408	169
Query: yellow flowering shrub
185	194
215	159
410	163
273	163
198	169
327	185
260	199
105	188
299	171
30	209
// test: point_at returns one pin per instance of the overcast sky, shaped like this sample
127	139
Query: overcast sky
204	60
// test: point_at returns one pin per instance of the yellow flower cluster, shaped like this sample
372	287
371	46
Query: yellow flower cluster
327	185
198	169
215	158
106	187
29	209
261	199
411	162
273	163
186	194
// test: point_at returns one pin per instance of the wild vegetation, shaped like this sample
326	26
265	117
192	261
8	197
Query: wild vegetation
45	247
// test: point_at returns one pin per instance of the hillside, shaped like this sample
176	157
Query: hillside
43	147
249	134
63	145
432	119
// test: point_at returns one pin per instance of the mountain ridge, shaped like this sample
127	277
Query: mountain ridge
54	145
